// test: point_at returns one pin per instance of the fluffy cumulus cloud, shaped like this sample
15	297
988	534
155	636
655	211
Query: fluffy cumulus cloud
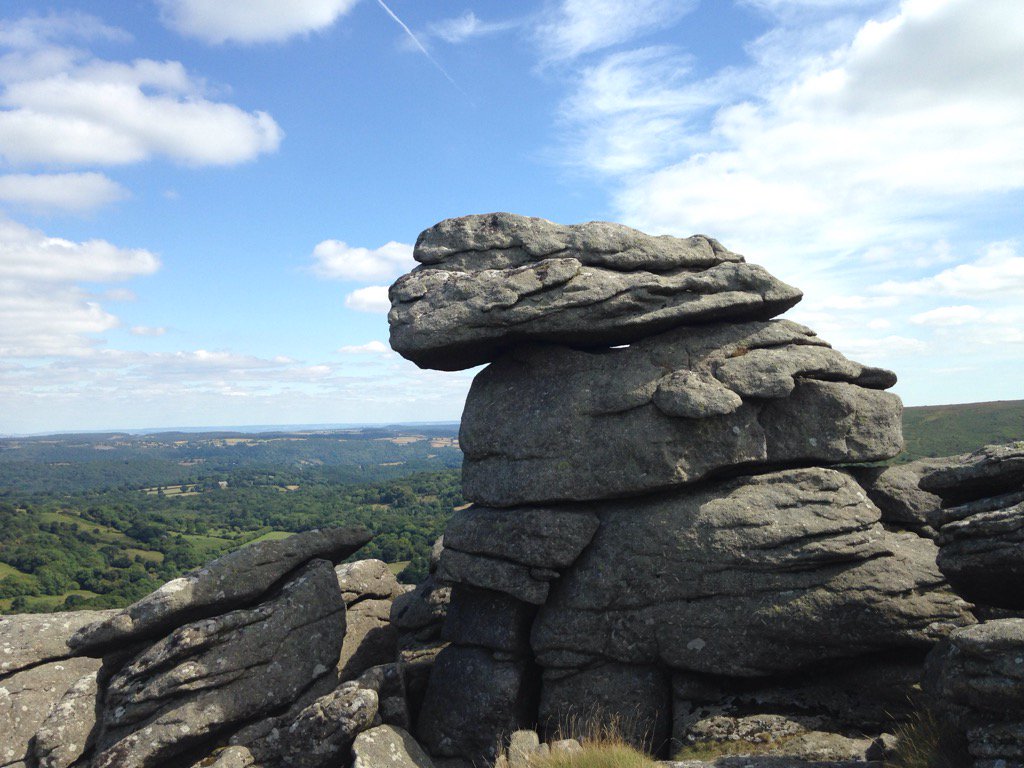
337	260
44	310
576	27
846	154
251	21
76	192
372	298
60	105
835	149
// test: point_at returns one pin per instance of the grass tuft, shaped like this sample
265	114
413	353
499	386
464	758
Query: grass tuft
926	742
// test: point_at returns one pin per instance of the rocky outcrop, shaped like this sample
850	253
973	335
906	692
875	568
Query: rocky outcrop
657	537
28	697
215	674
668	411
489	282
386	745
67	732
368	588
977	679
228	582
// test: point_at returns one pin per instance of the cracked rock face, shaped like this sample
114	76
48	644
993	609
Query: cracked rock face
545	424
228	582
30	639
487	282
28	697
751	577
516	551
215	674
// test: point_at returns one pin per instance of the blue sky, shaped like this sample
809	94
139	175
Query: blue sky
201	201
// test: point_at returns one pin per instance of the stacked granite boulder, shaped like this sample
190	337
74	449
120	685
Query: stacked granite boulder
270	656
657	535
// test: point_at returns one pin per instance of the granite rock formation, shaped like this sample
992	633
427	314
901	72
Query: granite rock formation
244	662
657	534
492	281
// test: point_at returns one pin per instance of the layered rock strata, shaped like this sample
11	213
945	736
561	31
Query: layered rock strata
250	650
488	282
656	533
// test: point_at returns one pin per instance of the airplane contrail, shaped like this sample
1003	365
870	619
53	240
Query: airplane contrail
420	45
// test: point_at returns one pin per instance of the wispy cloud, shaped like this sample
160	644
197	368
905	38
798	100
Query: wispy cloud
335	259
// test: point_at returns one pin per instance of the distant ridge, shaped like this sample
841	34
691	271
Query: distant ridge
943	430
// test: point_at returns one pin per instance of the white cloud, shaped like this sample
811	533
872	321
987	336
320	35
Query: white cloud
373	298
867	144
582	26
76	192
42	309
29	255
337	260
147	330
459	29
946	316
251	21
1000	272
60	106
369	348
32	32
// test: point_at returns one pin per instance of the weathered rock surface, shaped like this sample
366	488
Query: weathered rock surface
215	674
637	698
418	617
517	551
977	677
799	737
322	735
849	695
490	281
388	746
28	697
982	554
229	757
66	734
546	423
755	576
29	639
231	581
896	492
989	471
474	696
368	580
488	619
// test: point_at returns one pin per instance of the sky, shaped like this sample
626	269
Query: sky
203	201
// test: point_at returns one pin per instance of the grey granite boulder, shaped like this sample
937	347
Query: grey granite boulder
67	732
982	553
369	638
488	619
990	471
755	576
29	639
897	493
546	424
490	281
976	678
635	699
388	746
322	735
228	582
211	676
475	698
517	551
368	580
28	697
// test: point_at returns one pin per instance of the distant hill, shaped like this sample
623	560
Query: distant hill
943	430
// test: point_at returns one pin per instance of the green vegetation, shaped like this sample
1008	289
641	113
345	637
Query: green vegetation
944	430
105	549
597	754
924	742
